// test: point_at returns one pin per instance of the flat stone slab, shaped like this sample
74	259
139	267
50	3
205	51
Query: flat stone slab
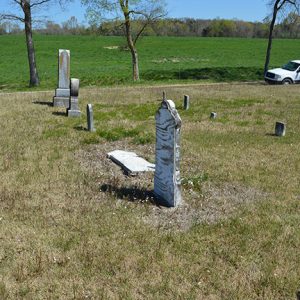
130	162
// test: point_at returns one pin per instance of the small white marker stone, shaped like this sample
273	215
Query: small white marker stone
213	115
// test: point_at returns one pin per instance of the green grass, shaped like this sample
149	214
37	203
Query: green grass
162	59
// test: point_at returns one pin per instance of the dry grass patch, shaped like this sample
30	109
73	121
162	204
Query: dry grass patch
73	226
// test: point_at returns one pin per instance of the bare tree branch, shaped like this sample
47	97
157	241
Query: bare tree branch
39	3
11	17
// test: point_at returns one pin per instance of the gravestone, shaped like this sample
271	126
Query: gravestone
130	162
90	118
73	110
280	129
164	95
186	102
62	93
167	186
213	115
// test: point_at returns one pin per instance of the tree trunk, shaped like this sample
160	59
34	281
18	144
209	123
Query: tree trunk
269	48
134	54
34	78
135	65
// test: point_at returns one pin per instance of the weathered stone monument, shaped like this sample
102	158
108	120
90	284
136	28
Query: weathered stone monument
167	185
73	110
280	129
186	102
90	118
62	93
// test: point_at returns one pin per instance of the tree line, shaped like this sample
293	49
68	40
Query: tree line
288	27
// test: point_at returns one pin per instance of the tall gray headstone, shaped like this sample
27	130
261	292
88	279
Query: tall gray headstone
90	118
73	110
62	93
167	186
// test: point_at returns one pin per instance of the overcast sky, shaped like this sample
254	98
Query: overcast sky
252	10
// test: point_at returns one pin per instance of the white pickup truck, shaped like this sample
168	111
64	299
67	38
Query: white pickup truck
288	74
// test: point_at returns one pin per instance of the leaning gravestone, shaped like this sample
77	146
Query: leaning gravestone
90	118
62	93
73	110
167	174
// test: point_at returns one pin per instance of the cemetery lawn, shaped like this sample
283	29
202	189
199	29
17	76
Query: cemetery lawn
102	61
73	226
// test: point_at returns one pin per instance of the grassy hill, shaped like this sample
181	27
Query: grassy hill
101	60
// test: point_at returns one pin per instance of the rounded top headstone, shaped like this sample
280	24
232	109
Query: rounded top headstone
74	87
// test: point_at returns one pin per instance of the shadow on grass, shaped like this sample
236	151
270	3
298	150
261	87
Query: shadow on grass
216	74
132	194
80	128
43	103
59	113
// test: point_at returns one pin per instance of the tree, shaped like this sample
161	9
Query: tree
278	5
71	25
27	7
146	11
51	28
290	26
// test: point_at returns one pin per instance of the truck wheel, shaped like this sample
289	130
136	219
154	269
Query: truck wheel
287	81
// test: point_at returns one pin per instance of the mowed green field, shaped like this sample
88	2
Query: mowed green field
99	61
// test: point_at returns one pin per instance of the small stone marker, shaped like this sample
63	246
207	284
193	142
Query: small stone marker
280	129
186	102
213	115
164	95
62	93
90	118
130	162
73	110
167	175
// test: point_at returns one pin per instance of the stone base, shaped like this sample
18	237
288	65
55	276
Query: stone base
61	101
61	97
60	92
172	199
73	113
